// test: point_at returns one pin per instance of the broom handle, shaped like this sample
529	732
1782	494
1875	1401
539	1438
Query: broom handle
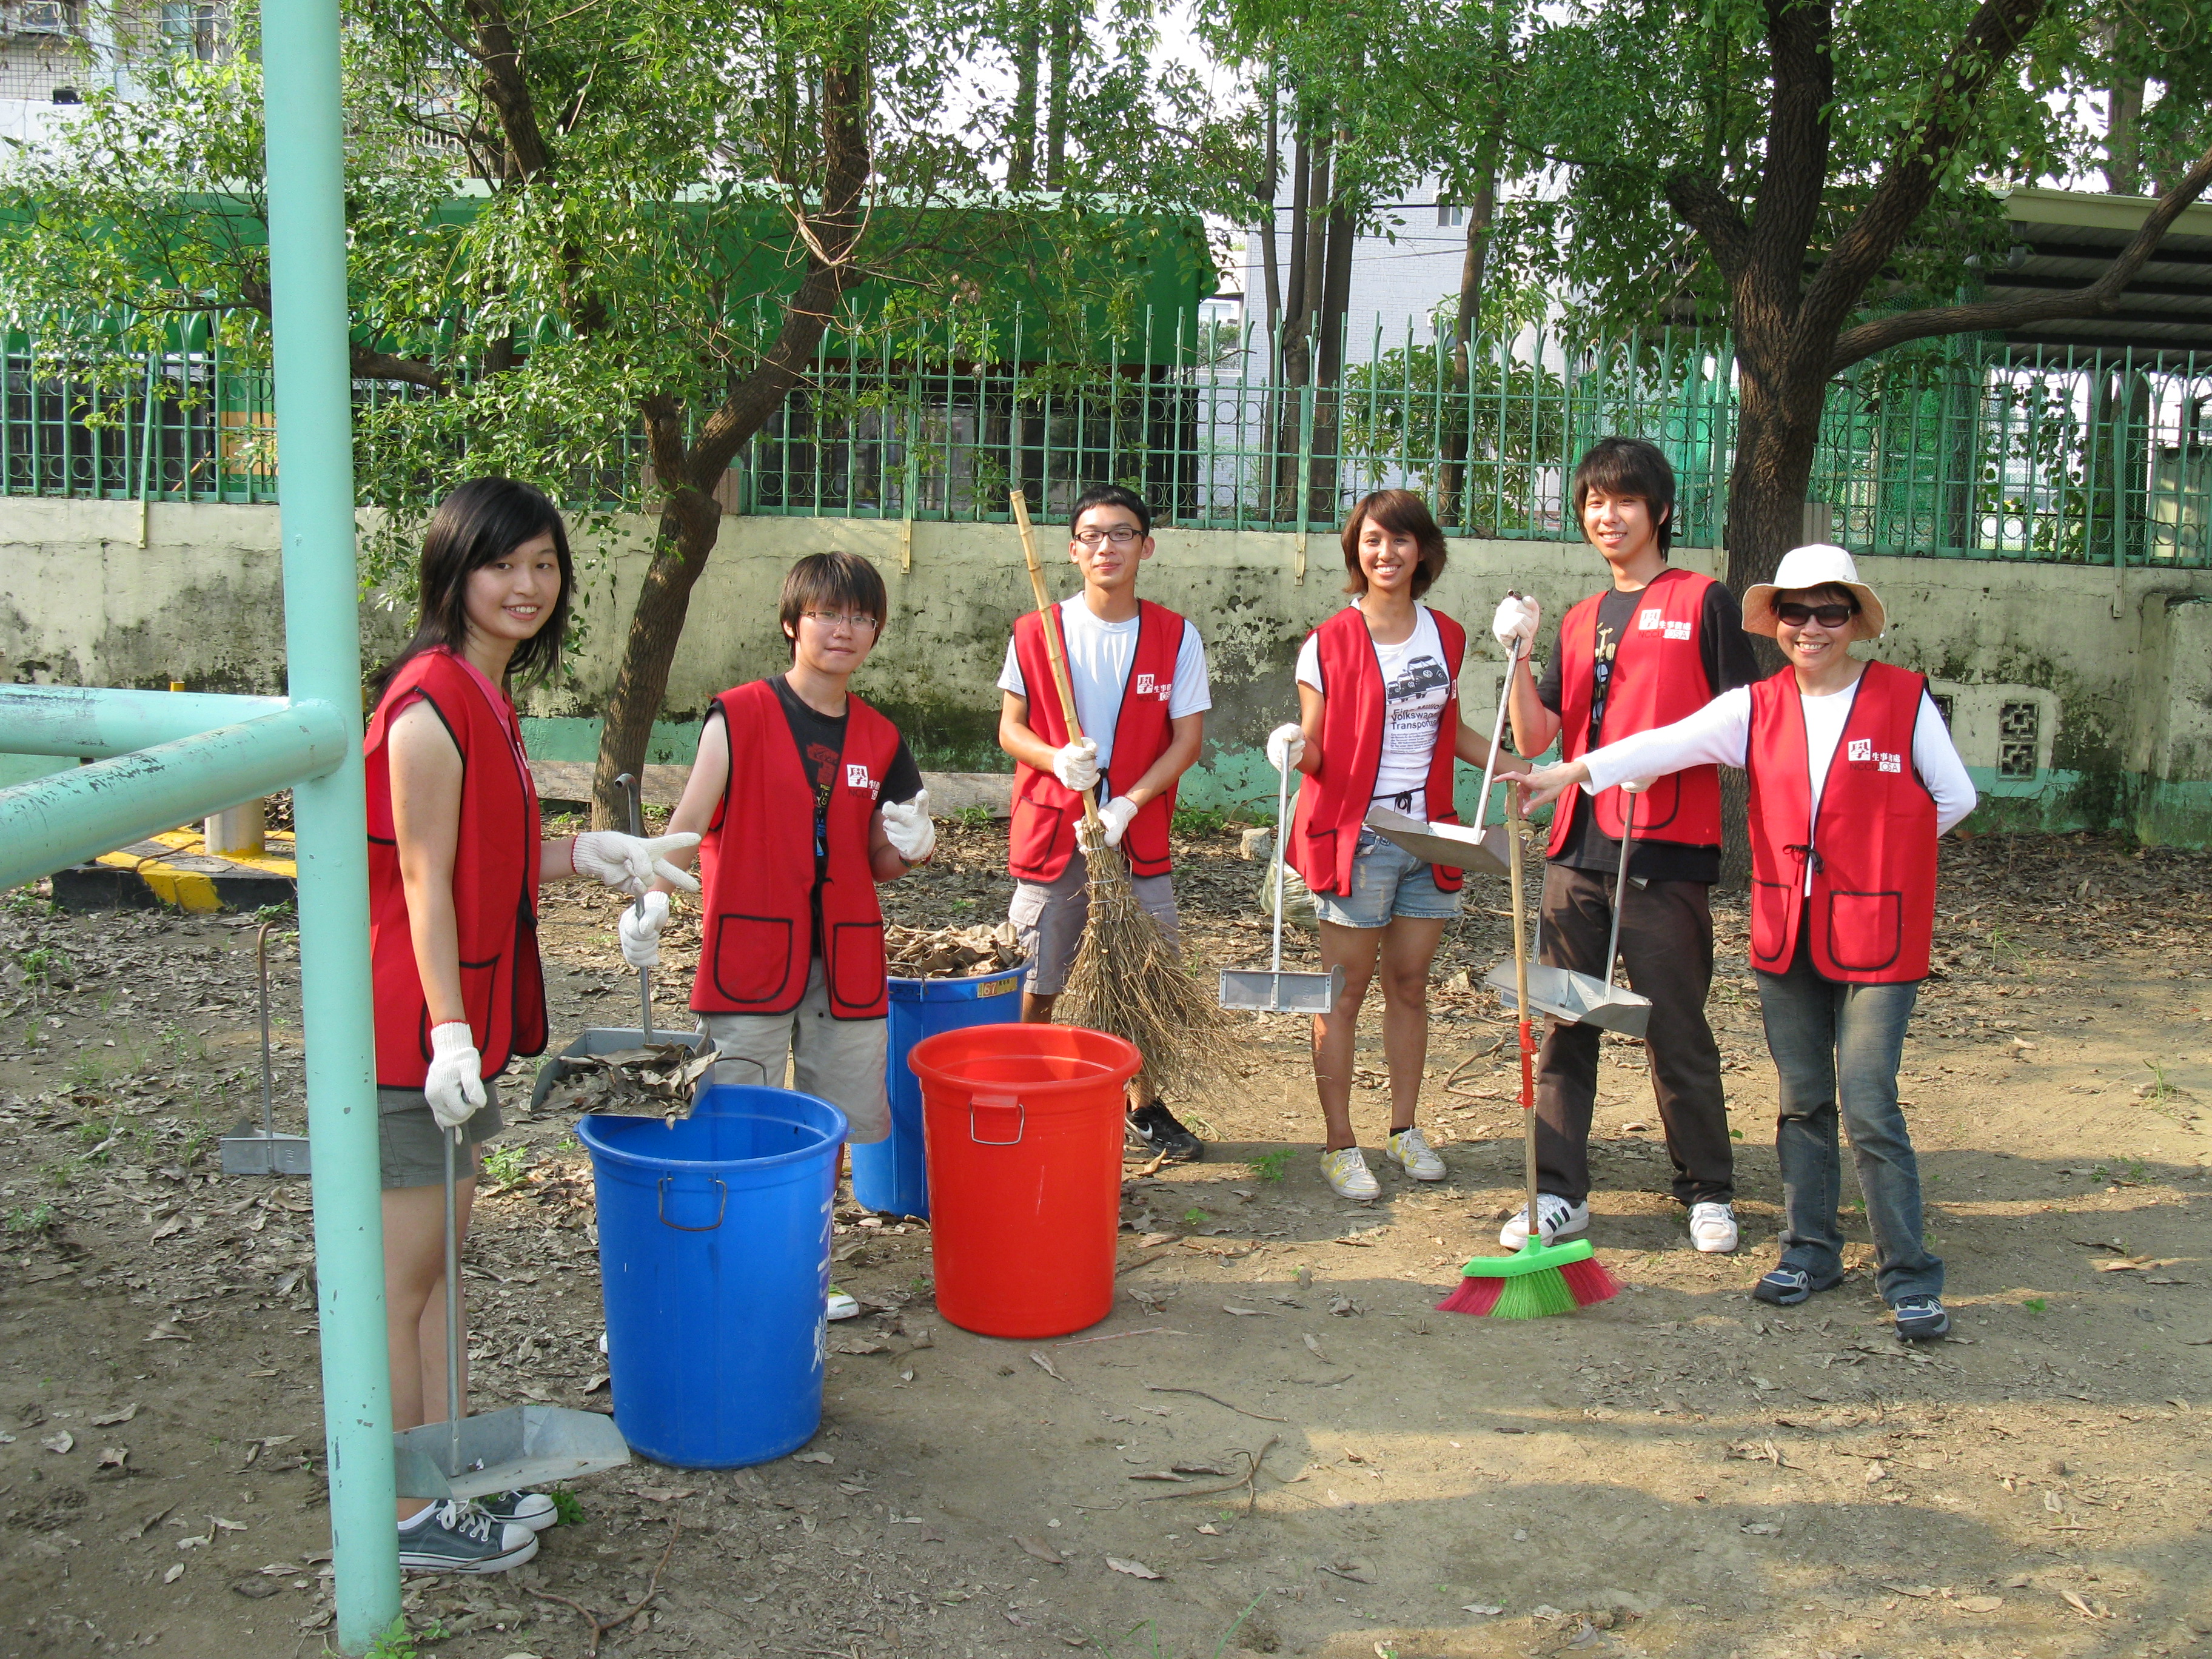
1282	830
1620	887
1045	620
1497	731
629	781
1515	833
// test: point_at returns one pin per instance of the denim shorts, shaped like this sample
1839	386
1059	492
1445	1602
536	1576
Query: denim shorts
1387	881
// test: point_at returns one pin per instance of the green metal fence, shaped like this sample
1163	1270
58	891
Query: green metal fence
1967	449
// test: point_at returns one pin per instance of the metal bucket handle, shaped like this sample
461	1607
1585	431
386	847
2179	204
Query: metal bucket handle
722	1211
998	1102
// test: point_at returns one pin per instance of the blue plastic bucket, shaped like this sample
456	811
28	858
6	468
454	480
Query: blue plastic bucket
892	1174
715	1263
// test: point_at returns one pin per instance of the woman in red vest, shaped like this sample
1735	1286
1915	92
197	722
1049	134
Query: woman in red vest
1853	778
454	860
1378	725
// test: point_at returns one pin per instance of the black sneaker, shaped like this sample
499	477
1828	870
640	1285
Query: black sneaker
1157	1128
1785	1287
533	1510
1921	1319
457	1537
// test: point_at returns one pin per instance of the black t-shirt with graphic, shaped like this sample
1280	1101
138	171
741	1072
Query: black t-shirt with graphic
1728	662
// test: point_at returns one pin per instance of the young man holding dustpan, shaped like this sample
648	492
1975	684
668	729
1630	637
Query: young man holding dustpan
1138	671
1655	646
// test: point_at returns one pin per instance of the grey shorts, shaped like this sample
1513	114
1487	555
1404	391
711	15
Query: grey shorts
1048	918
413	1146
1387	881
839	1060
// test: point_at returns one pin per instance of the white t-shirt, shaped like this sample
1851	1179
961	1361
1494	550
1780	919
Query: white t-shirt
1720	733
1416	684
1099	656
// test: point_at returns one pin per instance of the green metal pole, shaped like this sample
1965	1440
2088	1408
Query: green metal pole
322	643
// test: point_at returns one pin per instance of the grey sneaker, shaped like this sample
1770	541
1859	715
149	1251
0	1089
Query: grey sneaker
1921	1319
457	1537
1785	1287
533	1510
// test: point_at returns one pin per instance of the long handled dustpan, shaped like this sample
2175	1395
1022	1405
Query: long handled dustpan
263	1151
1581	998
1473	848
509	1451
1272	991
605	1043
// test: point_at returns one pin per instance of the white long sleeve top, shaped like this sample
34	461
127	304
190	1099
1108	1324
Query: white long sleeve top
1720	733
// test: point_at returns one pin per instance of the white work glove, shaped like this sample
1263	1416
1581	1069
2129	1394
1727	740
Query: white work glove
907	825
641	934
1286	746
1636	786
630	863
1516	619
454	1086
1076	764
1114	816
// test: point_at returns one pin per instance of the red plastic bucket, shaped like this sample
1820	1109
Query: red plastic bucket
1023	1126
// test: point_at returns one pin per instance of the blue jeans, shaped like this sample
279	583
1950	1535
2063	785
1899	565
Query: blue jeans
1387	882
1823	1035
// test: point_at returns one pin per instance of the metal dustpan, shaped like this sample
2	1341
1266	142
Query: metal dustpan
602	1042
1582	998
248	1151
1474	849
508	1450
1270	990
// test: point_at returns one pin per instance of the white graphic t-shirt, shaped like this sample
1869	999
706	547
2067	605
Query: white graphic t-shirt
1416	685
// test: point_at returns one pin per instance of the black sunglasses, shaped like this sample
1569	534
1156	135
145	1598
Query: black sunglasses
1828	616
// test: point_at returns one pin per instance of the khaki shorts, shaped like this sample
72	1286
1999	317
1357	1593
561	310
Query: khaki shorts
412	1146
1048	918
839	1060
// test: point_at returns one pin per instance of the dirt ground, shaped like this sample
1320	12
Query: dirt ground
1679	1471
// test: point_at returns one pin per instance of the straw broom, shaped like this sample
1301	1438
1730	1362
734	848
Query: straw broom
1127	980
1541	1278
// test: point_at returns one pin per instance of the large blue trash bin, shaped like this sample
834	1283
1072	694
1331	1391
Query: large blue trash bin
892	1174
714	1265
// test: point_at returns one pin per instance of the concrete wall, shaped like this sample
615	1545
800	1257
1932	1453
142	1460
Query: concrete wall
2079	697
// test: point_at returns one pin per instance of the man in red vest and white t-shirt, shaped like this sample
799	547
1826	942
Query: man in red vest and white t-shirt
1137	673
1655	647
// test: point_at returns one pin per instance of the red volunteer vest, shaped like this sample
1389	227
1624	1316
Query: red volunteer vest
1658	678
1872	909
1332	801
1046	811
494	878
757	868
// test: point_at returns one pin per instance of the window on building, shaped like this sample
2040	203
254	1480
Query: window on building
1449	214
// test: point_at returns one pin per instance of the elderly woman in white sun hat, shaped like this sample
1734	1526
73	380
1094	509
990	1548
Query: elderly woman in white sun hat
1853	778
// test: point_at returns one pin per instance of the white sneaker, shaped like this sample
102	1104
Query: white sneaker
1409	1149
1560	1219
1348	1176
1712	1227
843	1304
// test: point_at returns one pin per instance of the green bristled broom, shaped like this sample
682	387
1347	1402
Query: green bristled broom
1541	1278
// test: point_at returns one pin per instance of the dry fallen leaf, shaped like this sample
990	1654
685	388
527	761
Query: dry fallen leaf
1313	1344
1161	1474
59	1442
1044	1364
666	1494
814	1457
1978	1603
112	1457
2086	1609
1921	1592
1245	1313
173	1574
122	1414
1134	1568
1043	1551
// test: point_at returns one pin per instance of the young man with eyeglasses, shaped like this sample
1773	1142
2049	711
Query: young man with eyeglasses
805	797
1654	647
1138	671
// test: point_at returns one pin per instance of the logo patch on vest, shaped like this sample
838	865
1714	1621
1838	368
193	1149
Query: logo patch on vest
1149	685
1861	751
1654	621
856	777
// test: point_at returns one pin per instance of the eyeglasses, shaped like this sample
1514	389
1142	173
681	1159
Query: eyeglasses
834	620
1828	616
1121	536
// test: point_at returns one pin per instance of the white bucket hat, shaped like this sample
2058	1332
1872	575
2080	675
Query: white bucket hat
1818	565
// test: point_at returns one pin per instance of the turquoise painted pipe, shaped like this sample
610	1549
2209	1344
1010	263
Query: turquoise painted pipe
314	434
75	719
54	821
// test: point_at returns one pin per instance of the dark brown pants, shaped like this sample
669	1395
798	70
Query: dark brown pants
1666	946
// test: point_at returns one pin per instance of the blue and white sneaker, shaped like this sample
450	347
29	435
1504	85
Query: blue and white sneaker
533	1510
1785	1287
1921	1319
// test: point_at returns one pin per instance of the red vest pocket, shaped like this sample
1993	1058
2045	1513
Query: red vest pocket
1031	837
1865	930
477	981
1657	808
1321	875
1770	924
751	957
856	964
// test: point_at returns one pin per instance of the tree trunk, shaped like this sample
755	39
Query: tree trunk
1272	174
1022	127
1458	421
1329	329
1056	98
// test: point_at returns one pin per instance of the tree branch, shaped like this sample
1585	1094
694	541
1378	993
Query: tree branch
1787	206
1915	165
2102	295
368	365
1700	204
507	91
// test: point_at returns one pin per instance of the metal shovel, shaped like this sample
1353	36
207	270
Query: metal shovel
263	1151
1272	991
509	1451
601	1041
1455	845
1579	999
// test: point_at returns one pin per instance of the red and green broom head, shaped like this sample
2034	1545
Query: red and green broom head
1539	1281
